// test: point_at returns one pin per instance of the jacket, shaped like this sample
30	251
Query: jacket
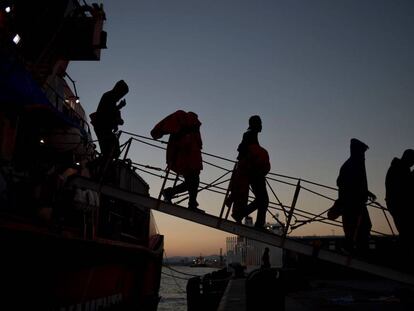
184	145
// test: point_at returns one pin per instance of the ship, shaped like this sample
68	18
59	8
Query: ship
64	247
199	262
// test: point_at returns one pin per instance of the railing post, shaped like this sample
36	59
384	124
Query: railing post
386	218
162	187
127	147
292	209
225	197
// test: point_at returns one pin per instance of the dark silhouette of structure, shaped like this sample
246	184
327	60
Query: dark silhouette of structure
353	195
183	153
107	118
251	169
266	259
265	290
399	186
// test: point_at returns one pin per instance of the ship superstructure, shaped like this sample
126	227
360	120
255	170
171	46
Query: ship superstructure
64	247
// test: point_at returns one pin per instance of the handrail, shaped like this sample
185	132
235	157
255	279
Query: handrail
305	217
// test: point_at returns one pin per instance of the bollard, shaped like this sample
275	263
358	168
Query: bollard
265	290
194	299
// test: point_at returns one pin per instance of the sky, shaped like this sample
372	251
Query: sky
317	72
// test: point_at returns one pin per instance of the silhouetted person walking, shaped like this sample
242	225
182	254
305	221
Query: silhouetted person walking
353	195
266	259
107	118
252	168
250	137
400	194
183	153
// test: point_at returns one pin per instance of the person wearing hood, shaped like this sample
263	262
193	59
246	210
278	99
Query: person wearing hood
399	189
183	153
266	259
353	194
107	118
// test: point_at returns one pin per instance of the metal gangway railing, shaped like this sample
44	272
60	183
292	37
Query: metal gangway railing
293	216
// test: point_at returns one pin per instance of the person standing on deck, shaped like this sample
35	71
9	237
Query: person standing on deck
183	153
107	118
353	194
266	259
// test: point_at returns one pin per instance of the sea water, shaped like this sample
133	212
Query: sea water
173	286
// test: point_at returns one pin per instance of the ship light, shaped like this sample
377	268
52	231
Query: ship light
16	39
42	141
8	9
77	163
77	100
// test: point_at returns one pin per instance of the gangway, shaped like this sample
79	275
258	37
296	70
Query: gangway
282	241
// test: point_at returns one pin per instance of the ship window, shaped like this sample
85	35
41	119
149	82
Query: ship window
16	39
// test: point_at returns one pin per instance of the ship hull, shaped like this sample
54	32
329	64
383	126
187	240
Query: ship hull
45	271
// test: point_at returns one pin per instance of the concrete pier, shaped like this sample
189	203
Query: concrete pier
234	298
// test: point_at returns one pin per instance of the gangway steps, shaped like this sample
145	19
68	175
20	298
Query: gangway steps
146	202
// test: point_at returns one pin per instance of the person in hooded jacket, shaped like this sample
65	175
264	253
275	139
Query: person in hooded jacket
266	259
183	153
107	118
399	194
353	194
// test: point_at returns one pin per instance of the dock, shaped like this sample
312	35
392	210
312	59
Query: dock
330	295
234	297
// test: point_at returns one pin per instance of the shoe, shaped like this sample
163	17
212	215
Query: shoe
237	218
195	209
166	193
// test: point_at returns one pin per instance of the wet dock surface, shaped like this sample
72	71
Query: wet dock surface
357	295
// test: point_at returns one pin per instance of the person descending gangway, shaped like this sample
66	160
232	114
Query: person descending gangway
183	153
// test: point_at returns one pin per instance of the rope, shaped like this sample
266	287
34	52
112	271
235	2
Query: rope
299	212
214	187
280	203
169	267
175	277
311	218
